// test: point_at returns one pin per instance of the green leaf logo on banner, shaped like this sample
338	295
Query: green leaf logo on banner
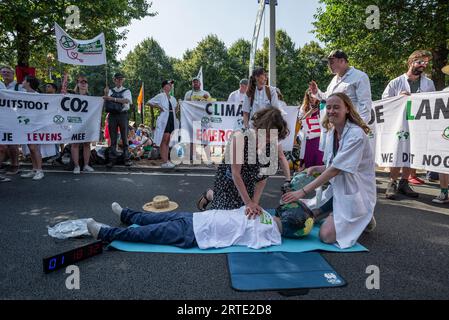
446	133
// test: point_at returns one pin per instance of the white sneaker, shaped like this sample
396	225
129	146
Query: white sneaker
441	199
117	209
167	165
93	227
39	175
88	169
28	175
77	170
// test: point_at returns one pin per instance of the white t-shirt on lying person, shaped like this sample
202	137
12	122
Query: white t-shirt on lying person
225	228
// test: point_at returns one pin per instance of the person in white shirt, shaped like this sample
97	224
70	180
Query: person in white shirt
444	178
2	86
237	97
167	121
413	81
7	74
122	96
354	83
210	229
258	96
196	94
350	169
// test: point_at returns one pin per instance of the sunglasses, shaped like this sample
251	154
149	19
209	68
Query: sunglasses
421	62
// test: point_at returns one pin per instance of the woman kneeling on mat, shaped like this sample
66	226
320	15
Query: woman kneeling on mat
350	169
237	185
211	229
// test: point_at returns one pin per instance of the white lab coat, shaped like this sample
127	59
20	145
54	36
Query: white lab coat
236	97
396	86
161	100
356	85
354	189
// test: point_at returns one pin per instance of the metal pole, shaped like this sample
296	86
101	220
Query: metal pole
273	43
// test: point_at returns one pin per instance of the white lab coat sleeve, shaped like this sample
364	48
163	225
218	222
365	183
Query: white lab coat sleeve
320	95
127	95
155	101
275	98
246	104
363	93
389	91
188	96
350	154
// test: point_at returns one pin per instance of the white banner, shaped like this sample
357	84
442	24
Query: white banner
413	131
31	118
213	123
80	52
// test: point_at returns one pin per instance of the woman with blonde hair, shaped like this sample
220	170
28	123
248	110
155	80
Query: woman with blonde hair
350	168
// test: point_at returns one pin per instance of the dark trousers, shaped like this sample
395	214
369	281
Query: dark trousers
174	229
116	121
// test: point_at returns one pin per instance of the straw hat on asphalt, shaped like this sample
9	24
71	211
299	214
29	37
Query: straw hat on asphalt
160	204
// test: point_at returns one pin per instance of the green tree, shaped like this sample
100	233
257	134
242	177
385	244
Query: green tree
239	54
405	26
27	26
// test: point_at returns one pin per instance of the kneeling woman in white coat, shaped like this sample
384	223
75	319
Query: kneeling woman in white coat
166	122
350	168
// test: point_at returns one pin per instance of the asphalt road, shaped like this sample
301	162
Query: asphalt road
410	245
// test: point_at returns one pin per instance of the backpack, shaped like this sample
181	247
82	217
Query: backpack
115	107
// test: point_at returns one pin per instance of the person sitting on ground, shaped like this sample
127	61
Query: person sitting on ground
240	182
211	229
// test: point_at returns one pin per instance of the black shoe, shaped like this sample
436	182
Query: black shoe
128	163
392	189
109	165
405	189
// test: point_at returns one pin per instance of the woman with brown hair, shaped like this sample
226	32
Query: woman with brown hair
81	88
350	169
240	179
309	116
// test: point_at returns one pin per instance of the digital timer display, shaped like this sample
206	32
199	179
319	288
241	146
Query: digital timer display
71	257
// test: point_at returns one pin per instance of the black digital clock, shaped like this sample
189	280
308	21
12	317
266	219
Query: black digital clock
71	257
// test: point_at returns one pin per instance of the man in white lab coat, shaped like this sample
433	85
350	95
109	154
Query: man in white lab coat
354	83
238	96
414	81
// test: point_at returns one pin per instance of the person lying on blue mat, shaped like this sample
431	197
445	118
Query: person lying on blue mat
209	229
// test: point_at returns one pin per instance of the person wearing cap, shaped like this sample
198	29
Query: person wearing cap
166	122
238	96
444	177
123	96
413	81
354	83
196	94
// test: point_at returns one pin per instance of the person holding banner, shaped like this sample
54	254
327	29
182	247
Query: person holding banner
196	94
350	169
82	88
31	85
118	119
240	183
414	81
258	96
166	122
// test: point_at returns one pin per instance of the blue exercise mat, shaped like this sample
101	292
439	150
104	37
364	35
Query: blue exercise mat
281	271
307	244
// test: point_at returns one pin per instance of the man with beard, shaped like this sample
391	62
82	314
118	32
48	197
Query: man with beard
414	81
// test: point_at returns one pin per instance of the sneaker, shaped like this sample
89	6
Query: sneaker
405	189
415	181
93	227
441	199
12	171
77	170
39	175
117	209
4	179
167	165
392	189
371	226
30	174
88	169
